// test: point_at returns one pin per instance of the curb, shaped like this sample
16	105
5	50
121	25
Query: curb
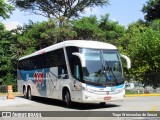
141	95
14	93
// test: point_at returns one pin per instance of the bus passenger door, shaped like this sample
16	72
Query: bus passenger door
75	68
77	92
76	89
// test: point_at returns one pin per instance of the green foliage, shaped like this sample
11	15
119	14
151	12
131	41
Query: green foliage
113	31
8	60
142	44
151	9
128	92
5	9
100	30
36	36
88	28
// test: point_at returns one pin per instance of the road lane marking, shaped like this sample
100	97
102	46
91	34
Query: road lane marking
154	108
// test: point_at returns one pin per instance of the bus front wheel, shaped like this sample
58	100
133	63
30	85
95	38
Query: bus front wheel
67	98
102	103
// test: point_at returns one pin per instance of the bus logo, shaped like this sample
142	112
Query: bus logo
39	78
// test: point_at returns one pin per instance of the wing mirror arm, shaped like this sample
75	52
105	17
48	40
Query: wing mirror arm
127	60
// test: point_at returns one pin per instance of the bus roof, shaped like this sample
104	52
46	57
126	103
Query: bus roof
76	43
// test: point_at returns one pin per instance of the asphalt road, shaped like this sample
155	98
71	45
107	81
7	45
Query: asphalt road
150	103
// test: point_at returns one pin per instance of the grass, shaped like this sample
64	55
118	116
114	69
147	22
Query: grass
128	92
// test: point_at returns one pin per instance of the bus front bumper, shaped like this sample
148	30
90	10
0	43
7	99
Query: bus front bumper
88	97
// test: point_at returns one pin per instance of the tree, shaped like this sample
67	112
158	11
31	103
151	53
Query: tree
113	31
142	44
8	59
100	30
87	28
57	8
5	9
151	9
36	36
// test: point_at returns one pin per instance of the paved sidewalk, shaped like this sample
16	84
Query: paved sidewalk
12	102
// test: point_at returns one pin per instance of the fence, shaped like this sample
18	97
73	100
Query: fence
150	83
144	90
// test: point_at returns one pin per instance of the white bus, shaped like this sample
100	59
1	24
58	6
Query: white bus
73	71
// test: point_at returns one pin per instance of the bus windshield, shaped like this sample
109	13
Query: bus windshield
103	67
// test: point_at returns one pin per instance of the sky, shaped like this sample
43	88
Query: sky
124	12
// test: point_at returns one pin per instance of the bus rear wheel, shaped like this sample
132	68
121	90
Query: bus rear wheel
29	94
67	99
24	93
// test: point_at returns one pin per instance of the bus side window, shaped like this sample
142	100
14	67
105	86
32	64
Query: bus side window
76	70
62	68
62	73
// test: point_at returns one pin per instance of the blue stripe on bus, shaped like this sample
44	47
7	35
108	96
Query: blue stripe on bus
119	86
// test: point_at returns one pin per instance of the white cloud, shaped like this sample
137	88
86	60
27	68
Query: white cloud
12	25
98	11
114	19
90	11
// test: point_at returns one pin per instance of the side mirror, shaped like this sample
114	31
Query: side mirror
127	60
81	57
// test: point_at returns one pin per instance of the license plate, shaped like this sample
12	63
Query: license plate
107	98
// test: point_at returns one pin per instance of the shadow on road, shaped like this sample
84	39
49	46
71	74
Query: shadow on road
76	106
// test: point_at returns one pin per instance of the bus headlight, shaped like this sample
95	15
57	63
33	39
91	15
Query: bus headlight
89	90
120	90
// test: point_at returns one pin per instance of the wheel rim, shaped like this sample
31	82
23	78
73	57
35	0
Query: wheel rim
67	99
29	94
24	94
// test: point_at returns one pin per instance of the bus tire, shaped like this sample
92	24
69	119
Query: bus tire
24	93
67	99
29	94
102	103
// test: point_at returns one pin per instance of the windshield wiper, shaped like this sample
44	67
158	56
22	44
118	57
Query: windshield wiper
103	72
110	70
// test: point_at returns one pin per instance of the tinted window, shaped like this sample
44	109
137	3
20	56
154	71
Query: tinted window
54	58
